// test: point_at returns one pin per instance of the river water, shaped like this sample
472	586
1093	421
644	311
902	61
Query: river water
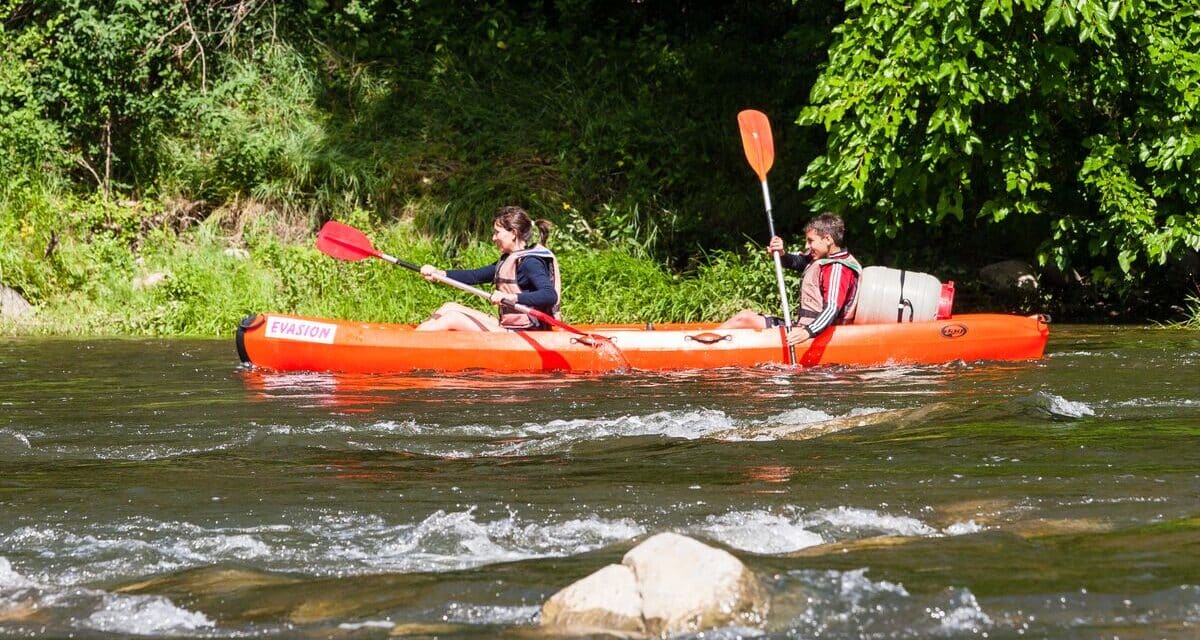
154	488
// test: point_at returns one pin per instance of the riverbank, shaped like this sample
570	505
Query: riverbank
91	267
141	269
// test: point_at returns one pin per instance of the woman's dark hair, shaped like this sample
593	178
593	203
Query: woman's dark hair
516	220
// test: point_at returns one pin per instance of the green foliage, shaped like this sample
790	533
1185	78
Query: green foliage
257	132
478	104
1193	313
87	84
1079	119
95	279
949	133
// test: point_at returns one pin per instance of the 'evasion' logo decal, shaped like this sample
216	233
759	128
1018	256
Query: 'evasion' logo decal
954	330
302	330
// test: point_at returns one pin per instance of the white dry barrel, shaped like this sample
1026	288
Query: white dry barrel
888	296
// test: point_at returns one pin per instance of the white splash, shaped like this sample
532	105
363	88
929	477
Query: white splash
962	615
490	614
850	604
15	436
1060	406
367	624
10	579
143	616
759	532
801	415
962	528
857	520
327	543
676	424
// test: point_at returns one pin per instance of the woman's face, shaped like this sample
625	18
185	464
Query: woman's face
506	241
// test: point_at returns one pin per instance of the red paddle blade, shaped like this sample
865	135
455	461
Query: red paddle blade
757	142
344	242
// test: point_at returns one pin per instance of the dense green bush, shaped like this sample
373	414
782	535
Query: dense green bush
91	284
950	134
1078	122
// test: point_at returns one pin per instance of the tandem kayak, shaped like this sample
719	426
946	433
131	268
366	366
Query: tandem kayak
295	343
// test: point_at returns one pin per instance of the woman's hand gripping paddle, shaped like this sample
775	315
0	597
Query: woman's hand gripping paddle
760	153
347	243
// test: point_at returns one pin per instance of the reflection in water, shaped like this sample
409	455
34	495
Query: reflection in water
770	473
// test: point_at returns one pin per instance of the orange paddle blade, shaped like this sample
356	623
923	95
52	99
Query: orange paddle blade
344	242
757	142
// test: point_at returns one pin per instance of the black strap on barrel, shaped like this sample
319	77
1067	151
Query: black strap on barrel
903	302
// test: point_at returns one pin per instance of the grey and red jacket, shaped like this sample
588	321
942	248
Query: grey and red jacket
829	290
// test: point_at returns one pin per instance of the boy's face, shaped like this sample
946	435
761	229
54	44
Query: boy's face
819	245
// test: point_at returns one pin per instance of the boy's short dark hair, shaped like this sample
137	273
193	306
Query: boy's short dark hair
828	224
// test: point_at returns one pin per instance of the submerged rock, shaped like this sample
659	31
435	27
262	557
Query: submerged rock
24	611
12	305
668	585
1009	275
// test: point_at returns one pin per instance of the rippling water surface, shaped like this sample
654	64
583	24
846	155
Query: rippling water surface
153	488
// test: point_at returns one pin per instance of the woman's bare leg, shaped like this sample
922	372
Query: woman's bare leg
744	319
456	317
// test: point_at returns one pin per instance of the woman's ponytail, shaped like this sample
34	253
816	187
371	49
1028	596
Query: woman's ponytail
544	226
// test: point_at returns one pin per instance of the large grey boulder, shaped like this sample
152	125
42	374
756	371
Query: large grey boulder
12	305
1009	275
668	585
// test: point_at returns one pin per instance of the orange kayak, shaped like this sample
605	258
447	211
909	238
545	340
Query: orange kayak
296	343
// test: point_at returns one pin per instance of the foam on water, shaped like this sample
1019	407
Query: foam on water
1061	407
675	424
1160	402
801	415
450	441
99	610
850	604
963	528
13	439
367	624
558	435
759	531
1085	354
324	543
10	580
144	615
855	521
789	529
963	613
456	540
490	614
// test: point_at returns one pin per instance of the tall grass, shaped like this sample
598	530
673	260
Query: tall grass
1192	313
220	270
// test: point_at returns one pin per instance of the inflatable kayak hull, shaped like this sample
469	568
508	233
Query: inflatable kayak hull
296	343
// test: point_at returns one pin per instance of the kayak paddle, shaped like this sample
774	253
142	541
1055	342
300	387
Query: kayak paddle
347	243
760	153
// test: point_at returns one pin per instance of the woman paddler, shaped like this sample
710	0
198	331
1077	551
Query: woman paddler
525	273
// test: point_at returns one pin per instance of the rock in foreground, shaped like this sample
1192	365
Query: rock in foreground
670	584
